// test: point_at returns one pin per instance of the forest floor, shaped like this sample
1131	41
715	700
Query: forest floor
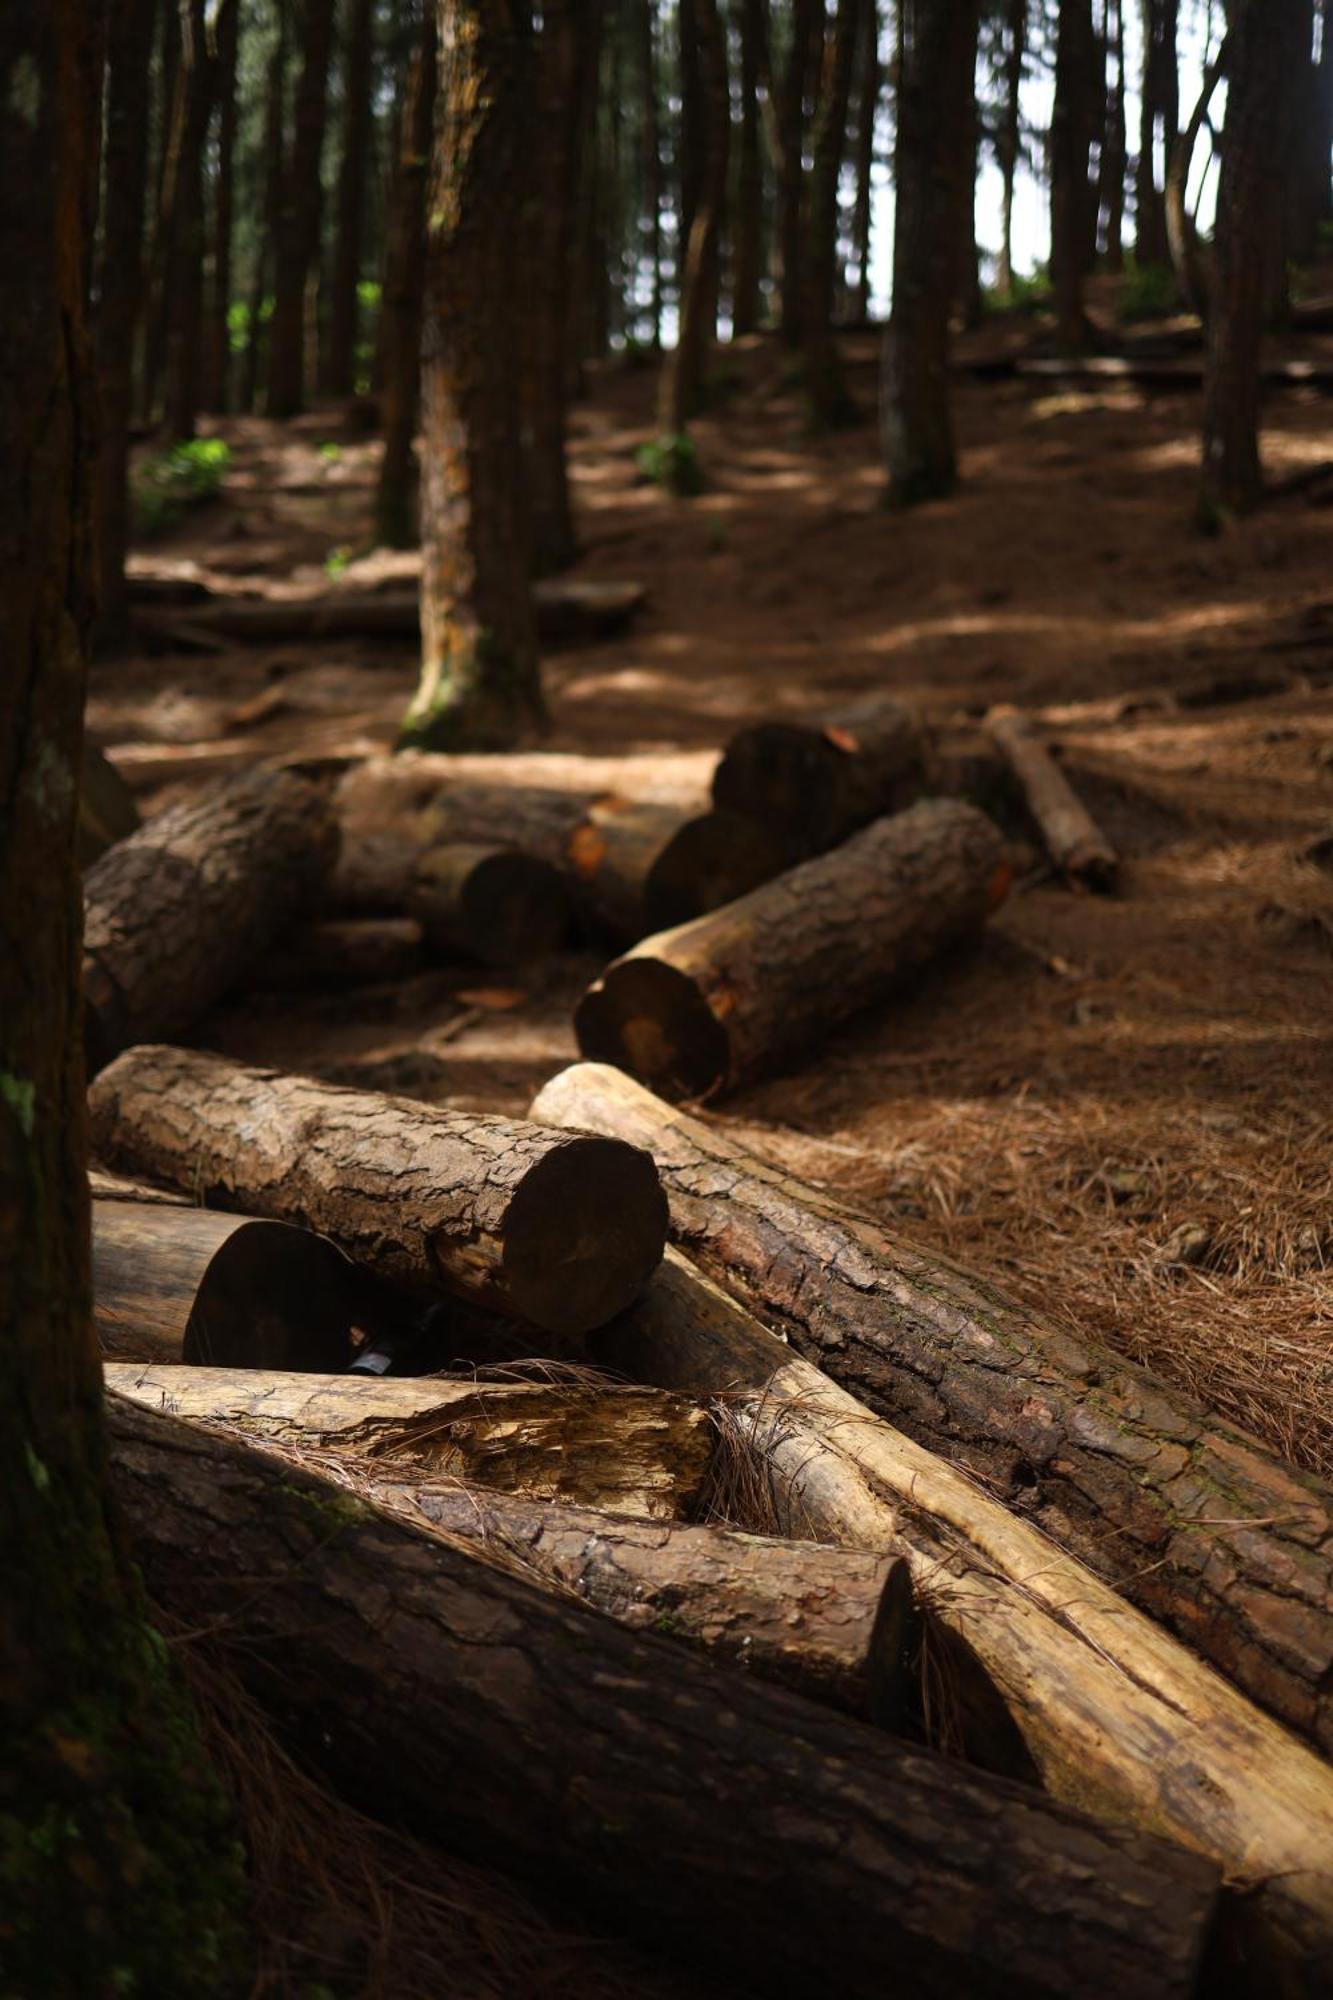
1123	1106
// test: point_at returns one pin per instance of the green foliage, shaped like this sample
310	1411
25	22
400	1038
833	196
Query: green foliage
368	294
672	463
1024	295
336	561
1149	291
330	452
238	322
170	482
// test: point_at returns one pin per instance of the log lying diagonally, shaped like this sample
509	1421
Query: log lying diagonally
559	1231
1189	1517
631	1774
1074	841
1115	1714
644	1451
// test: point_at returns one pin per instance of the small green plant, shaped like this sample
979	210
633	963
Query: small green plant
337	560
331	452
672	463
168	483
1030	294
1148	291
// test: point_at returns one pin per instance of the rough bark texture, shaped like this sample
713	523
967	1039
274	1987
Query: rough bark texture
216	380
639	1452
1074	841
496	904
625	1771
705	1006
480	684
357	73
813	783
1115	1715
824	385
296	224
1075	122
1189	1517
560	1232
188	1284
401	303
683	369
179	911
115	1862
937	45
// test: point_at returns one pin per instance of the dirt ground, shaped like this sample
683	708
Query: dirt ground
1122	1105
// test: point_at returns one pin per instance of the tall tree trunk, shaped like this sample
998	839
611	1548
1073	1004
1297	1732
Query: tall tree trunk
969	263
117	1865
271	184
1009	136
683	369
937	46
169	113
400	311
296	241
1111	173
646	17
824	385
867	107
1263	39
747	260
358	75
1309	186
1073	129
1159	111
217	342
184	261
480	682
120	292
806	16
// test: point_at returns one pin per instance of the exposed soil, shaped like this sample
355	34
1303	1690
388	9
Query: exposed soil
1125	1105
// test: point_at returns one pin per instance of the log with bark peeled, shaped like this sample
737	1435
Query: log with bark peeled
1182	1512
559	1231
1080	850
811	784
496	904
1115	1715
718	1001
641	1451
178	912
625	1771
178	1283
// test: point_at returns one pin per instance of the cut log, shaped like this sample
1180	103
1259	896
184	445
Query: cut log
568	612
642	868
639	1451
559	1231
1115	1715
496	904
623	1770
811	784
716	1002
107	812
1186	1515
1076	844
337	952
178	912
188	1284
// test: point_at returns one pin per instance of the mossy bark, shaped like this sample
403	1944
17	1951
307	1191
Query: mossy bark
118	1873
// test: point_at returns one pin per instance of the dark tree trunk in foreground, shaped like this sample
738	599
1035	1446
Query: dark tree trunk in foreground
1159	116
1256	148
120	292
1074	124
747	263
340	359
1009	137
183	265
480	683
296	236
683	369
400	306
1111	176
937	42
867	107
824	385
266	249
789	128
217	339
115	1850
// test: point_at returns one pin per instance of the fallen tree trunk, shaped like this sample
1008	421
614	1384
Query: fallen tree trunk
642	868
638	1450
1076	844
1115	1715
187	1284
568	612
496	904
336	952
811	784
715	1002
1186	1515
632	1775
558	1231
175	914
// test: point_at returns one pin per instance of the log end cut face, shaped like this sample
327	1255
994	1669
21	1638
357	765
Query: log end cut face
647	1018
584	1233
713	859
786	776
274	1296
499	905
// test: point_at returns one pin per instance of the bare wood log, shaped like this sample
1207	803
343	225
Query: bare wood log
1188	1516
712	1003
559	1231
175	914
118	1187
337	952
1116	1716
642	868
640	1451
811	784
1074	841
497	904
568	612
627	1772
188	1284
107	812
